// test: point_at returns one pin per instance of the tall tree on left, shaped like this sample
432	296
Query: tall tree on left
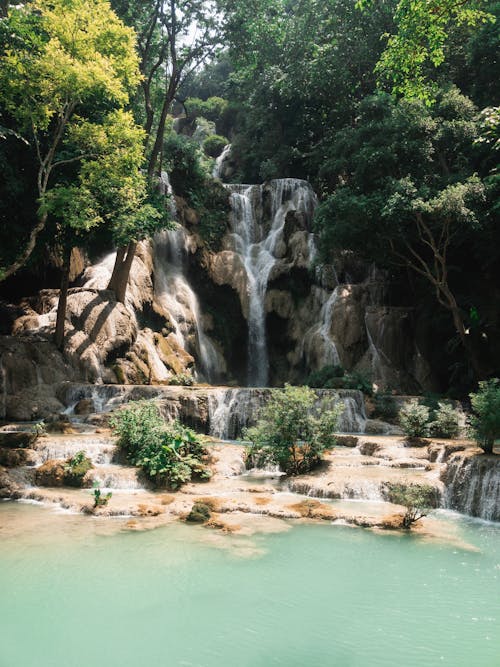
67	70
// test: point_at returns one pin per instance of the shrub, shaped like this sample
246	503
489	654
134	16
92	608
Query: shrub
418	500
445	424
213	108
322	378
485	422
169	453
413	419
182	379
360	381
385	407
99	499
76	468
214	144
288	432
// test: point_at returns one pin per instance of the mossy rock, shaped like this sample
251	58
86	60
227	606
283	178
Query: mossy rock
200	513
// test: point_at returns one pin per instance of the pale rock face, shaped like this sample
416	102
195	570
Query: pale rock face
227	268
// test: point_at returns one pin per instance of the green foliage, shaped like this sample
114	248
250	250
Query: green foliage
212	109
445	423
182	379
40	428
214	145
385	407
418	499
323	378
200	513
76	468
288	432
360	381
99	499
485	420
413	419
169	453
422	32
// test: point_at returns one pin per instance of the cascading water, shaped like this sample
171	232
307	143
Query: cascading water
473	485
317	342
174	292
257	251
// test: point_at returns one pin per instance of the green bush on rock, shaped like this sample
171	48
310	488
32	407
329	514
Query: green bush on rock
324	376
169	453
76	468
214	144
485	422
445	424
418	499
289	434
413	419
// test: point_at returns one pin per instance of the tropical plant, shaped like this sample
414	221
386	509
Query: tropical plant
385	407
100	500
485	420
214	144
292	431
76	468
418	499
169	453
413	419
446	422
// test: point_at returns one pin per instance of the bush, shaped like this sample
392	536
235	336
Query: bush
413	419
359	381
385	407
418	500
445	424
169	453
323	377
214	145
485	422
76	468
182	379
212	109
99	499
288	432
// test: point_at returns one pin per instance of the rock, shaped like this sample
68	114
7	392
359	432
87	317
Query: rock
441	451
378	427
84	407
346	440
12	458
8	487
369	448
51	473
17	439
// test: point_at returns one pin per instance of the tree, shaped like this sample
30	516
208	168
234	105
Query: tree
417	498
407	172
485	422
420	39
59	62
288	432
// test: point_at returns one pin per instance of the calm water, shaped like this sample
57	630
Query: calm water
78	592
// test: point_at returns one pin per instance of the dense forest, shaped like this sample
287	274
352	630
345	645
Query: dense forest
389	109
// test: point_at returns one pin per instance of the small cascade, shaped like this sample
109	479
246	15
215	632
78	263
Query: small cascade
99	449
473	485
217	171
232	410
117	477
3	390
257	250
175	294
317	343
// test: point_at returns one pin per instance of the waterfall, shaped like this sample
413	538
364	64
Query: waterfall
175	294
219	162
3	390
317	342
257	251
473	485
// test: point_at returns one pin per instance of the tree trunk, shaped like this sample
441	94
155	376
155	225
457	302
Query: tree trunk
63	301
462	333
4	8
25	255
121	270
